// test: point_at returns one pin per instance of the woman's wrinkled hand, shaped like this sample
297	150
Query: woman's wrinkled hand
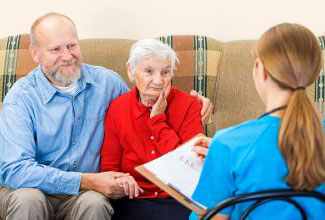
160	106
129	186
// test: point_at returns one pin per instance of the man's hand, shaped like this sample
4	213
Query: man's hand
104	183
130	186
201	146
206	106
160	106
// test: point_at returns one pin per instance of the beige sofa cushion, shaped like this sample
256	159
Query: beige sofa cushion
110	53
198	55
236	99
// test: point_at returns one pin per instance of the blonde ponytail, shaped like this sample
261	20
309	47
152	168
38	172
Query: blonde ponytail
292	57
301	142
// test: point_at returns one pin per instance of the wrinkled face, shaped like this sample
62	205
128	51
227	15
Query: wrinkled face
152	76
58	53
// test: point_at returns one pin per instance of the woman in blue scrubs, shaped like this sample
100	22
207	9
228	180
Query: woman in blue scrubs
284	148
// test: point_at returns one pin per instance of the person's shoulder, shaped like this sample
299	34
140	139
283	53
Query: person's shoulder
246	133
122	102
180	96
100	74
21	88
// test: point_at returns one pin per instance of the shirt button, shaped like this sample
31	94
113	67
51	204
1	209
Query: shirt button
153	152
152	137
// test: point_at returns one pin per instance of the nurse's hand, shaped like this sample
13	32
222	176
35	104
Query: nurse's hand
201	146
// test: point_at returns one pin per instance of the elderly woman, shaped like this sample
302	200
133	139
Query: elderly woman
144	124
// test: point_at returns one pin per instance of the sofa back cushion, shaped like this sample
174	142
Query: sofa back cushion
198	66
236	99
110	53
15	61
198	56
221	72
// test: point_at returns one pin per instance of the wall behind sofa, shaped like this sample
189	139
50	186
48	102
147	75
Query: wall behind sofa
224	20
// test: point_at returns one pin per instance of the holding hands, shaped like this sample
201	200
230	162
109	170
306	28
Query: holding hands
113	185
129	186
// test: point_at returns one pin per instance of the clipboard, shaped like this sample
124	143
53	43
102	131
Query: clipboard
172	191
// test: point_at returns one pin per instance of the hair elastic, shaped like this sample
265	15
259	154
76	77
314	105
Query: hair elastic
299	88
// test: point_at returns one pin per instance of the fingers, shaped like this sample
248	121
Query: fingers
117	174
116	194
129	186
200	151
194	94
123	185
203	141
160	98
160	105
206	110
207	106
167	90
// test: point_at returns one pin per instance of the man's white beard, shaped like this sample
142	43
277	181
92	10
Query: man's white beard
71	78
66	79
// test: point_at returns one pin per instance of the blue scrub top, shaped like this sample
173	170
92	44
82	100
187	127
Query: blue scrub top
244	159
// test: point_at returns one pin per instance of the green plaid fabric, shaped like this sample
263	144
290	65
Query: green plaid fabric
199	64
15	61
319	95
198	56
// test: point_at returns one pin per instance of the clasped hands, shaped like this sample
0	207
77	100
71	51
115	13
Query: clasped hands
111	184
129	186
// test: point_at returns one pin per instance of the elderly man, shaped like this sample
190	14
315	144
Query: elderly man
51	132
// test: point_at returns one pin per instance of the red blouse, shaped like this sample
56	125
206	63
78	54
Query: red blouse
132	138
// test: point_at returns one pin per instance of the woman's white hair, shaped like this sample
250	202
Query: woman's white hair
150	48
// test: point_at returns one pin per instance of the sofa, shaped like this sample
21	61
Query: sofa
218	70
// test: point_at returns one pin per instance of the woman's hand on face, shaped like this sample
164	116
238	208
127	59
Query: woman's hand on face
160	106
129	186
201	146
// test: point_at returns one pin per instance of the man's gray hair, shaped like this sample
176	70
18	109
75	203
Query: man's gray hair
151	48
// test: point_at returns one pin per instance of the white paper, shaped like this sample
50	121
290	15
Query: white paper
179	169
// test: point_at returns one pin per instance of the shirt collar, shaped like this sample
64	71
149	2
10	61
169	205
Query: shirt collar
138	108
47	90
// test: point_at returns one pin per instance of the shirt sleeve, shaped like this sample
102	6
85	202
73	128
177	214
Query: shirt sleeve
111	154
166	138
216	181
18	150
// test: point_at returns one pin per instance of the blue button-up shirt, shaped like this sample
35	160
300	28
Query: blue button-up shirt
48	138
